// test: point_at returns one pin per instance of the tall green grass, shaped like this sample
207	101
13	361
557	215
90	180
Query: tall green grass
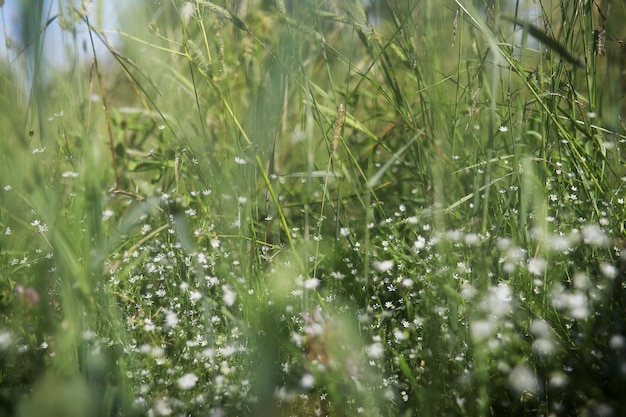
316	208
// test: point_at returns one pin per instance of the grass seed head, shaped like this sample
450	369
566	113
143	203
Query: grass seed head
341	115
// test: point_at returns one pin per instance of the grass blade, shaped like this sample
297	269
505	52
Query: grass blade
551	43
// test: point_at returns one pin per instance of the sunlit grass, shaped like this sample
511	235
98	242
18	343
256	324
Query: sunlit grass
317	208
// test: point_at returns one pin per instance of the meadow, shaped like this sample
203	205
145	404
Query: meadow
314	208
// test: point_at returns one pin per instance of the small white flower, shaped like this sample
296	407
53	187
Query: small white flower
195	296
482	330
523	380
558	379
594	236
307	381
240	161
617	342
229	296
5	340
503	243
227	351
537	266
471	239
608	270
503	129
311	283
107	214
171	319
399	335
499	300
162	407
157	352
148	325
383	266
543	347
375	350
419	244
187	381
560	243
575	304
202	259
337	275
468	292
541	329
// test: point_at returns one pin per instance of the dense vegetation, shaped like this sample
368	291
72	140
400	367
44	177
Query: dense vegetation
311	208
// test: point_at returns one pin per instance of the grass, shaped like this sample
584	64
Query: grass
315	208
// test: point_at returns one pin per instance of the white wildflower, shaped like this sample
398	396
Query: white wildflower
375	350
594	236
311	283
5	340
482	330
187	381
617	342
194	296
162	407
107	214
307	381
229	296
522	380
383	266
171	319
537	266
608	270
499	300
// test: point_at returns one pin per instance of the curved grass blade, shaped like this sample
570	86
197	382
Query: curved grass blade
376	178
551	43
